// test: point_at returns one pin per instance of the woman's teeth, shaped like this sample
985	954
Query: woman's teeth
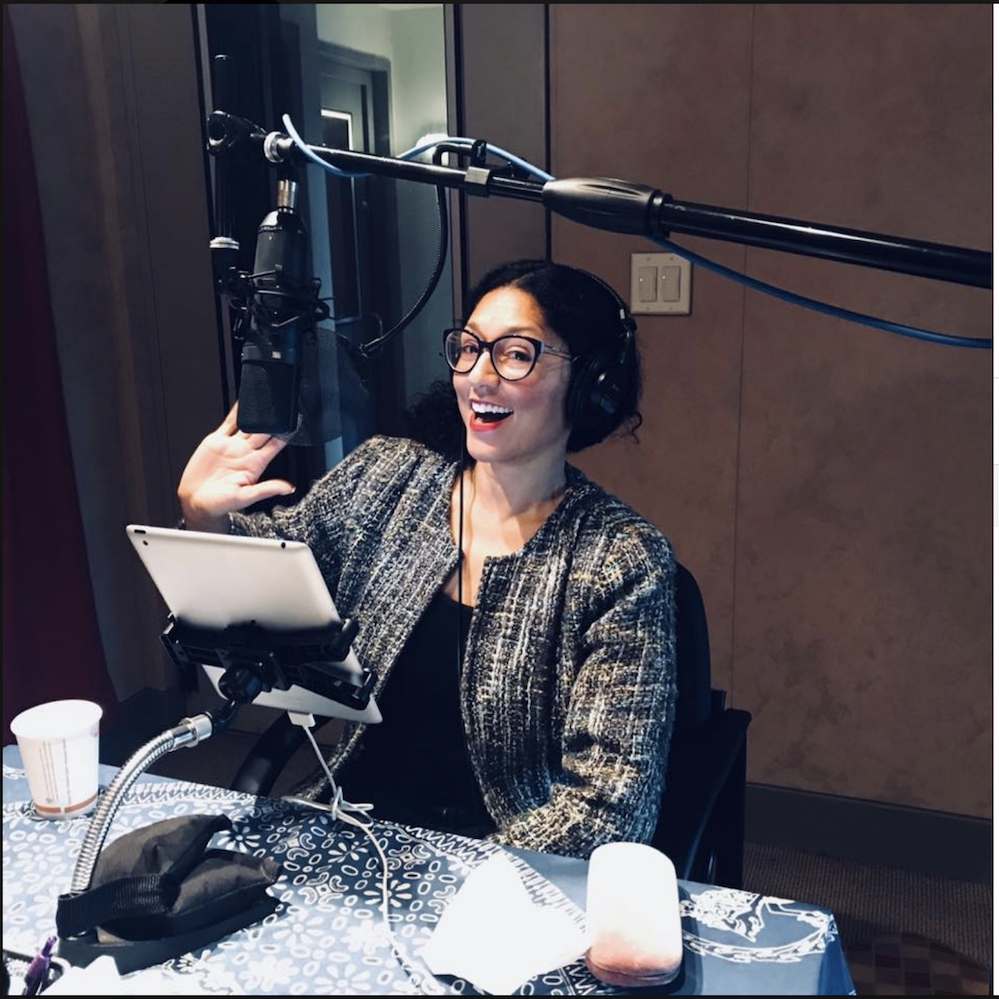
489	413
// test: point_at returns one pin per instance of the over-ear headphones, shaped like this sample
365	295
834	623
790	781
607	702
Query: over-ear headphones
601	380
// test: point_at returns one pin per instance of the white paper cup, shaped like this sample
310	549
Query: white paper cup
58	741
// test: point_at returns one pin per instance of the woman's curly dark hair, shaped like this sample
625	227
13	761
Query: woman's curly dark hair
587	314
435	420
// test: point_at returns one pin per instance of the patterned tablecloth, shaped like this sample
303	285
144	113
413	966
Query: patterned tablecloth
328	934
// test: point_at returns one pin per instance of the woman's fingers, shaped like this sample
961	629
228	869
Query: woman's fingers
254	462
229	425
271	446
257	441
238	441
264	490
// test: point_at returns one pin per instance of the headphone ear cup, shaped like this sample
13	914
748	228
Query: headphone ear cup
600	383
597	392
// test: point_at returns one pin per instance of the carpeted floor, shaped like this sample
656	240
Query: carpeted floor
903	933
905	964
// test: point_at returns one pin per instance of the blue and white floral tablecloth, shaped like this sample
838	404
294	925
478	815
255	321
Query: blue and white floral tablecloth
328	935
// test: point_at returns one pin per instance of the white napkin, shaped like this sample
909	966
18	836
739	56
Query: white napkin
101	978
493	935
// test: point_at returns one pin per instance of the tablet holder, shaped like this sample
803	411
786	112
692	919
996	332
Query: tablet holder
255	660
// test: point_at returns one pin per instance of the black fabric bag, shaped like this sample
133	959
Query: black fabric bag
163	881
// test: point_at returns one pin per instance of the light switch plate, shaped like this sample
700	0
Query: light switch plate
660	284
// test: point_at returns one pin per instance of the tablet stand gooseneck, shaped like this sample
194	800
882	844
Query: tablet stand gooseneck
255	660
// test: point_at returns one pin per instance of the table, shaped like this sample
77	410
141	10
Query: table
326	936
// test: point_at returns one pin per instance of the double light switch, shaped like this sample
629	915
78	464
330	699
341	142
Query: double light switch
660	283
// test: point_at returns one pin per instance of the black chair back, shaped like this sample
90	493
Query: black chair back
693	653
701	825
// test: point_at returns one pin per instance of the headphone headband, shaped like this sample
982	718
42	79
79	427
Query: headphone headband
600	388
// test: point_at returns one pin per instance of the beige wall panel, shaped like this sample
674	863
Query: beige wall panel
863	587
503	75
646	105
826	481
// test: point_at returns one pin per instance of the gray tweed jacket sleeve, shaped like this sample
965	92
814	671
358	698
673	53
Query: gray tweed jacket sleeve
568	686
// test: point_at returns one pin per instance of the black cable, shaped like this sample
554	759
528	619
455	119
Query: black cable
373	346
461	548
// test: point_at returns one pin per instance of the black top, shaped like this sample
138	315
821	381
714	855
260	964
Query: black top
414	765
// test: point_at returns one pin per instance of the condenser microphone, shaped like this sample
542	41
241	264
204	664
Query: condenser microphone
282	313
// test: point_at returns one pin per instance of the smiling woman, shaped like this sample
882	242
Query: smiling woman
518	617
517	428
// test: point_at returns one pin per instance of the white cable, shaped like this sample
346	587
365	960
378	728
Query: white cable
342	809
461	140
306	151
412	153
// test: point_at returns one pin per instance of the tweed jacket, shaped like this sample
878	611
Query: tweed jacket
568	685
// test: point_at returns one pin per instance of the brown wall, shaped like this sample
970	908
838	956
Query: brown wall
827	482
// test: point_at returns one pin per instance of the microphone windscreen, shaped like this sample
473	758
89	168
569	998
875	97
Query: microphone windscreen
268	397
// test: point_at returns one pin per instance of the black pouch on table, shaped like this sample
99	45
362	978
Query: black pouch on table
163	881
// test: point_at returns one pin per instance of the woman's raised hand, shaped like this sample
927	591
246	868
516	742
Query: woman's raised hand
223	475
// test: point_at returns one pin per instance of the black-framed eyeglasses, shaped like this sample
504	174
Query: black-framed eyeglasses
513	355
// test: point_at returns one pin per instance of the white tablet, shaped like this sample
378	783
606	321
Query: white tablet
217	581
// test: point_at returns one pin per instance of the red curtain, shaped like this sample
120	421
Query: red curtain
51	641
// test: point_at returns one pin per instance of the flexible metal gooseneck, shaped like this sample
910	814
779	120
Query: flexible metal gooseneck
189	732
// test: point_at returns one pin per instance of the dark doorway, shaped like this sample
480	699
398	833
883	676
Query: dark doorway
363	235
